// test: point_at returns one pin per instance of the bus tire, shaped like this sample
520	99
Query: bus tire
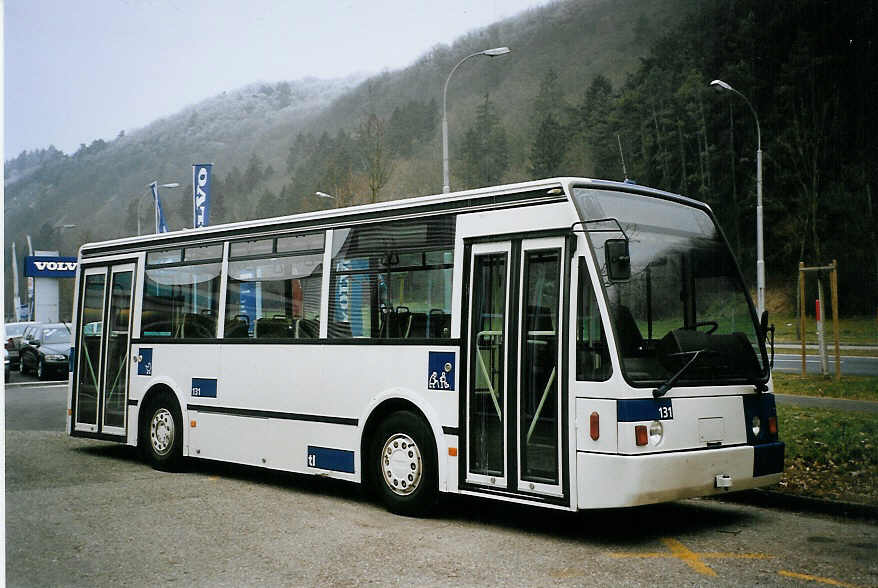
403	466
161	433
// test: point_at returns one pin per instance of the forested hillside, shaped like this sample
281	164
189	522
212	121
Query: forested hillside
584	79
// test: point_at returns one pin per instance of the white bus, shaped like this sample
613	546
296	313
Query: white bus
569	343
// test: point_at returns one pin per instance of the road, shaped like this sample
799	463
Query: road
850	365
90	513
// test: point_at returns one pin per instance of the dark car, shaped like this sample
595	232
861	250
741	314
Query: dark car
46	350
14	333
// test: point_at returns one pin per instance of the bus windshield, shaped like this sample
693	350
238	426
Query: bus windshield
684	307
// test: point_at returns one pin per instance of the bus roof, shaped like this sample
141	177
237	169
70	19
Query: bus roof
520	194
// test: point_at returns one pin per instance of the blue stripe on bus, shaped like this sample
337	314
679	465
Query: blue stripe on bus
768	458
642	409
325	458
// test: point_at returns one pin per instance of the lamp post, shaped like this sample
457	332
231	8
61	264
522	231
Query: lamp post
760	253
170	185
495	52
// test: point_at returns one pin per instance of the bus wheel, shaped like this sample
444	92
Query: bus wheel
161	433
403	464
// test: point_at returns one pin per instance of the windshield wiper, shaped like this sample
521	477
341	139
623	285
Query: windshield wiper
669	383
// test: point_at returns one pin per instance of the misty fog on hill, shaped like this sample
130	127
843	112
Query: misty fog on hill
583	80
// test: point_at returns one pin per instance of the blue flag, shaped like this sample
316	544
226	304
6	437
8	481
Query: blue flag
160	225
201	194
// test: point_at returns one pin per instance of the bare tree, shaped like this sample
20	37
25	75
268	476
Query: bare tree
376	154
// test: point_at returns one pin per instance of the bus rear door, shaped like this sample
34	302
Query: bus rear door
100	388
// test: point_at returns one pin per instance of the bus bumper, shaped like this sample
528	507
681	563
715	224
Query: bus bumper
608	481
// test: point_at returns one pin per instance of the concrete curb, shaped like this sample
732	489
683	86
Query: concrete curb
35	384
808	504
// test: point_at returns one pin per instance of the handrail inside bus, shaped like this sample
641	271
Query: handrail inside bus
539	411
115	386
485	369
90	367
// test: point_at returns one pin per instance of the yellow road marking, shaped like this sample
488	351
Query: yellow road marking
691	558
687	555
829	581
567	573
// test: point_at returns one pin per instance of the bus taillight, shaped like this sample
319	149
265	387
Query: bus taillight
594	422
772	425
640	435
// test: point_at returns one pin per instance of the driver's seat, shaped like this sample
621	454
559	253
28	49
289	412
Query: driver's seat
630	339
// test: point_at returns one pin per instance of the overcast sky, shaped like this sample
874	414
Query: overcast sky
80	70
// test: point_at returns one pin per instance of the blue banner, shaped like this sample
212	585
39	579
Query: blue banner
39	266
160	225
201	194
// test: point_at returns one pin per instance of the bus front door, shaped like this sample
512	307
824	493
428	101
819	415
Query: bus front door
515	413
102	349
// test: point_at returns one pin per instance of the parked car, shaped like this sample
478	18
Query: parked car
6	363
46	350
14	332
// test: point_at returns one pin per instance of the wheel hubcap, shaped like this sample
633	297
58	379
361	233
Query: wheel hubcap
401	464
161	431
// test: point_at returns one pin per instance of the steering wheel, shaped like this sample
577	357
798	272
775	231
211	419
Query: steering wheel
712	324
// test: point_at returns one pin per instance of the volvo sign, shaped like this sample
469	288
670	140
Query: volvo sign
39	266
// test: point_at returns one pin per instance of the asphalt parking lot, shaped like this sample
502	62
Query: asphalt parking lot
82	512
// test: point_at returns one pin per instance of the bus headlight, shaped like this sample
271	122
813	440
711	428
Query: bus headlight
756	425
656	432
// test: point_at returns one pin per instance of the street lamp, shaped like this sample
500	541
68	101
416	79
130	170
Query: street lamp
495	52
760	254
327	196
170	185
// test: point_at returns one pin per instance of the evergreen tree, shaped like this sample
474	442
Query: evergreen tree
267	206
186	207
253	173
595	128
484	154
130	226
547	150
549	97
550	138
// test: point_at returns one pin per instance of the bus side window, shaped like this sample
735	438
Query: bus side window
275	296
392	280
592	353
180	301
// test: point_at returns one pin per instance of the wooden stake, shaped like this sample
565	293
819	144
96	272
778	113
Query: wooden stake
802	311
833	282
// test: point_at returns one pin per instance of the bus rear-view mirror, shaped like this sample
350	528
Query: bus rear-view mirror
618	259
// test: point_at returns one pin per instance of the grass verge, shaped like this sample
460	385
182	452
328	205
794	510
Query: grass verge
857	330
850	387
830	453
